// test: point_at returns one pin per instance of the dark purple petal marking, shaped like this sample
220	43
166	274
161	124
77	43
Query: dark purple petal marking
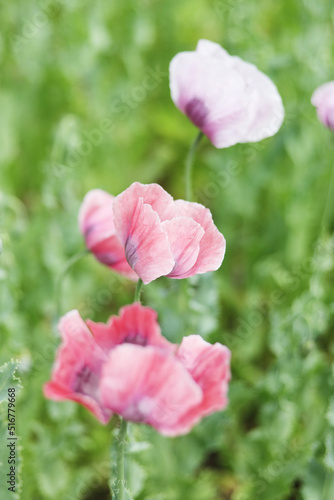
196	112
135	338
86	382
131	252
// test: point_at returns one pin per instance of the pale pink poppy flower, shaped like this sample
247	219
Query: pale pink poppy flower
323	100
97	226
163	237
135	372
228	99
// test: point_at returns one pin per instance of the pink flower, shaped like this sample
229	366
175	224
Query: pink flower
96	223
163	237
127	367
230	100
323	100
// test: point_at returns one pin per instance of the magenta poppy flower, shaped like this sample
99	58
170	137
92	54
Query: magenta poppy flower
228	99
96	223
135	372
163	237
323	100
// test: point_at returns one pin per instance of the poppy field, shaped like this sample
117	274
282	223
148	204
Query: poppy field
167	250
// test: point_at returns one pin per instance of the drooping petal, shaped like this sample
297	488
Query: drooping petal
184	235
212	243
209	366
143	384
136	324
77	369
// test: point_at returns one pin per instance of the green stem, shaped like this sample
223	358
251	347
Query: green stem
62	275
189	165
120	460
138	290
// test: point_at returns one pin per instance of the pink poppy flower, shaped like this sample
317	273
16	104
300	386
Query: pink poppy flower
135	372
228	99
96	223
323	100
163	237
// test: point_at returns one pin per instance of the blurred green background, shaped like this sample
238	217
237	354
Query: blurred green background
76	113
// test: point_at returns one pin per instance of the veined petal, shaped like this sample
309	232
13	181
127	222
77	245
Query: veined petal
147	248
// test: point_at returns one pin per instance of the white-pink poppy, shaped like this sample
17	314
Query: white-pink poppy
228	99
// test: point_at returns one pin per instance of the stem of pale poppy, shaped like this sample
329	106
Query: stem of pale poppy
189	165
138	290
62	275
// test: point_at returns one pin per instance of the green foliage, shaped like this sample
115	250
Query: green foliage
8	380
69	67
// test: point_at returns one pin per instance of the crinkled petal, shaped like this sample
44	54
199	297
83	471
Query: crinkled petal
146	385
184	235
136	324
